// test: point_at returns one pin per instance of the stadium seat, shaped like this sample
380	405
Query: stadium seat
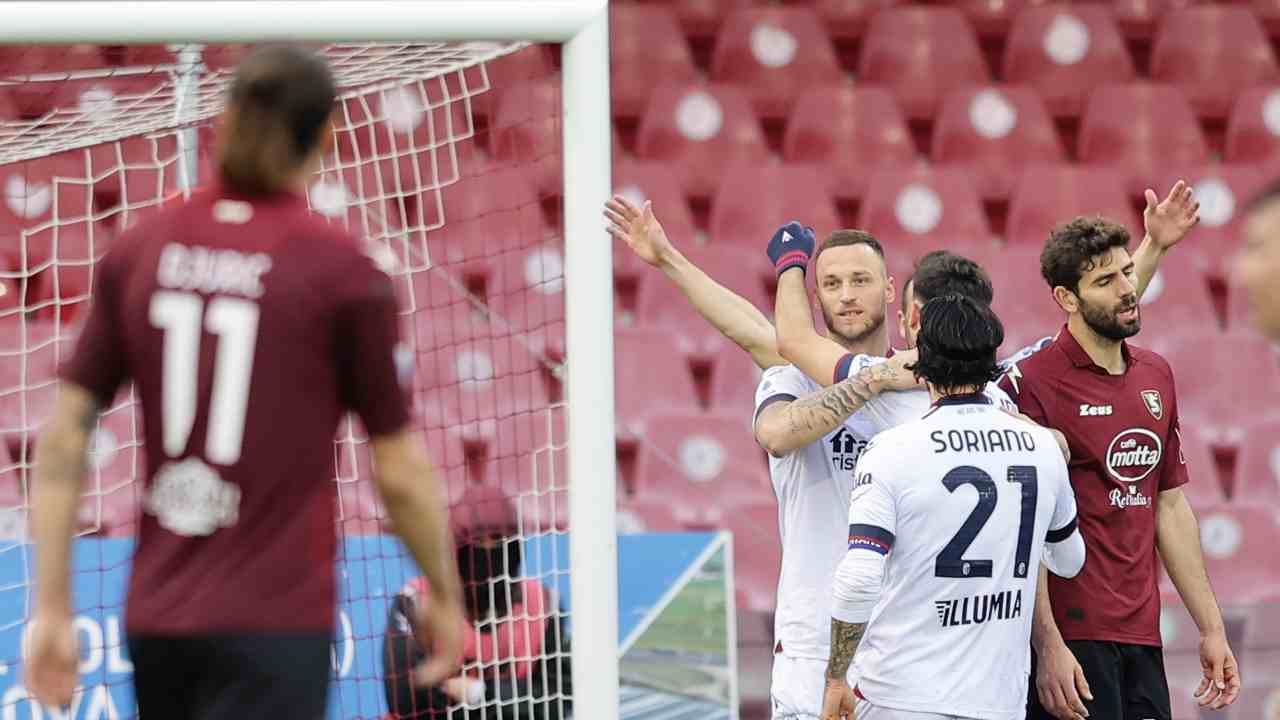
991	133
39	59
1138	18
921	210
734	378
638	181
1178	297
1148	132
29	353
1239	314
527	456
1234	537
113	484
700	130
481	216
757	549
1047	195
34	190
701	18
1064	51
498	375
526	131
1205	489
992	18
406	119
1253	131
646	48
74	251
919	53
846	19
849	134
1023	300
661	305
1257	478
1223	191
1210	72
527	295
1268	13
708	464
1245	387
651	371
754	200
774	53
444	312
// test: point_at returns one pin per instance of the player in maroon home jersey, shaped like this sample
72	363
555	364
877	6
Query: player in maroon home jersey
1258	264
1117	406
248	329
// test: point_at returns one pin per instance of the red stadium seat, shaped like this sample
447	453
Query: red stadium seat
652	374
848	18
754	200
1234	539
1211	72
1205	488
734	378
660	304
922	210
757	549
1223	191
638	181
709	463
1149	132
29	354
1177	297
527	295
481	216
1138	18
646	48
1268	13
703	17
116	463
1246	385
527	131
1257	477
38	191
444	312
38	59
993	132
526	456
1048	195
993	17
1023	300
1064	51
700	130
774	54
1253	132
919	53
848	133
485	377
1239	312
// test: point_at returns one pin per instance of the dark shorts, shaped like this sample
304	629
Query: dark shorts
1127	681
281	676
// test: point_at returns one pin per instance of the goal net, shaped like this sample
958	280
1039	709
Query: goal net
446	159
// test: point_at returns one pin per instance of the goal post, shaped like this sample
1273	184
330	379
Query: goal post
581	27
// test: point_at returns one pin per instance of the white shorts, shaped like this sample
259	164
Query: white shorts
866	711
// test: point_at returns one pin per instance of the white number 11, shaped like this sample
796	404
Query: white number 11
235	322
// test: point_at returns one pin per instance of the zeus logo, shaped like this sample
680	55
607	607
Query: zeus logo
845	449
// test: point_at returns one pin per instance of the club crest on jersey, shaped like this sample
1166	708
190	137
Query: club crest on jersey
1154	404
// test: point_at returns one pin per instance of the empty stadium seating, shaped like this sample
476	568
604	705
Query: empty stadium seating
1245	380
651	373
1064	51
706	461
1257	477
734	378
754	200
849	134
921	210
1253	132
848	18
1211	73
919	53
774	53
1148	132
526	131
639	181
991	133
1047	195
645	49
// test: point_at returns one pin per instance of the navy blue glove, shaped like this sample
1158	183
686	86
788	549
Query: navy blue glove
791	246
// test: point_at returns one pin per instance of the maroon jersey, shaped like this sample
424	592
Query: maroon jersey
1125	450
248	328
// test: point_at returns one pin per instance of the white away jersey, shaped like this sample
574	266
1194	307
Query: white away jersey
963	501
813	485
891	409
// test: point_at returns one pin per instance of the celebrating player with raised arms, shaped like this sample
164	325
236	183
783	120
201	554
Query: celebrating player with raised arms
248	329
1097	636
950	518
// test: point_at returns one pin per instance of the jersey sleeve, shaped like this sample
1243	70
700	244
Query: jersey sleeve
780	383
851	364
1174	472
374	369
1000	398
1023	395
873	518
1064	521
98	363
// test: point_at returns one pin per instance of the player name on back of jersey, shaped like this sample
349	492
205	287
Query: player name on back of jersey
978	609
984	441
209	270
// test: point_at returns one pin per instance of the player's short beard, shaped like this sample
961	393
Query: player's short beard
1104	322
873	326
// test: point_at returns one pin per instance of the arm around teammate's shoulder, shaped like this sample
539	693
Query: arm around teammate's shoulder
794	422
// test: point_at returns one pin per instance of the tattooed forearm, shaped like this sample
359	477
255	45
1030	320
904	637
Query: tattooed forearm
827	408
844	643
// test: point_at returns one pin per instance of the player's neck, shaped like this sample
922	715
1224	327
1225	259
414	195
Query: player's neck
936	393
1103	351
876	344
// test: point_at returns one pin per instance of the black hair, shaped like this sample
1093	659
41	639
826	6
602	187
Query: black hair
1074	247
278	103
958	340
942	272
845	238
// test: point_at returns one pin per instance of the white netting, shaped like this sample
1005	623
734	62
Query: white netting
469	229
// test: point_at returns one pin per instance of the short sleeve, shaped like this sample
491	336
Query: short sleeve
873	515
1174	473
1063	522
374	368
98	363
1000	398
1016	386
851	365
778	384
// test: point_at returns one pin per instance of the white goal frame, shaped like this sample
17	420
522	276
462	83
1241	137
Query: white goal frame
582	28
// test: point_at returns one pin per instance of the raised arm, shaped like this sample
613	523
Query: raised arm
1166	223
1178	541
798	340
733	315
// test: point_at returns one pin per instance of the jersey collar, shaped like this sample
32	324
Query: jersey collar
965	399
1078	357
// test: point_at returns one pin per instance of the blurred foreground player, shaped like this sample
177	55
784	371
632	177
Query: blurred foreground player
515	660
1258	264
944	549
1100	640
248	329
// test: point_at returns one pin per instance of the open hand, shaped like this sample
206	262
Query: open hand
1169	220
639	229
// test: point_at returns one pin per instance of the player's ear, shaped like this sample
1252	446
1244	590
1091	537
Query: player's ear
890	291
1066	299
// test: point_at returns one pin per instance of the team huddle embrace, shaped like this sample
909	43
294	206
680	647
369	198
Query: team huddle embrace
993	551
